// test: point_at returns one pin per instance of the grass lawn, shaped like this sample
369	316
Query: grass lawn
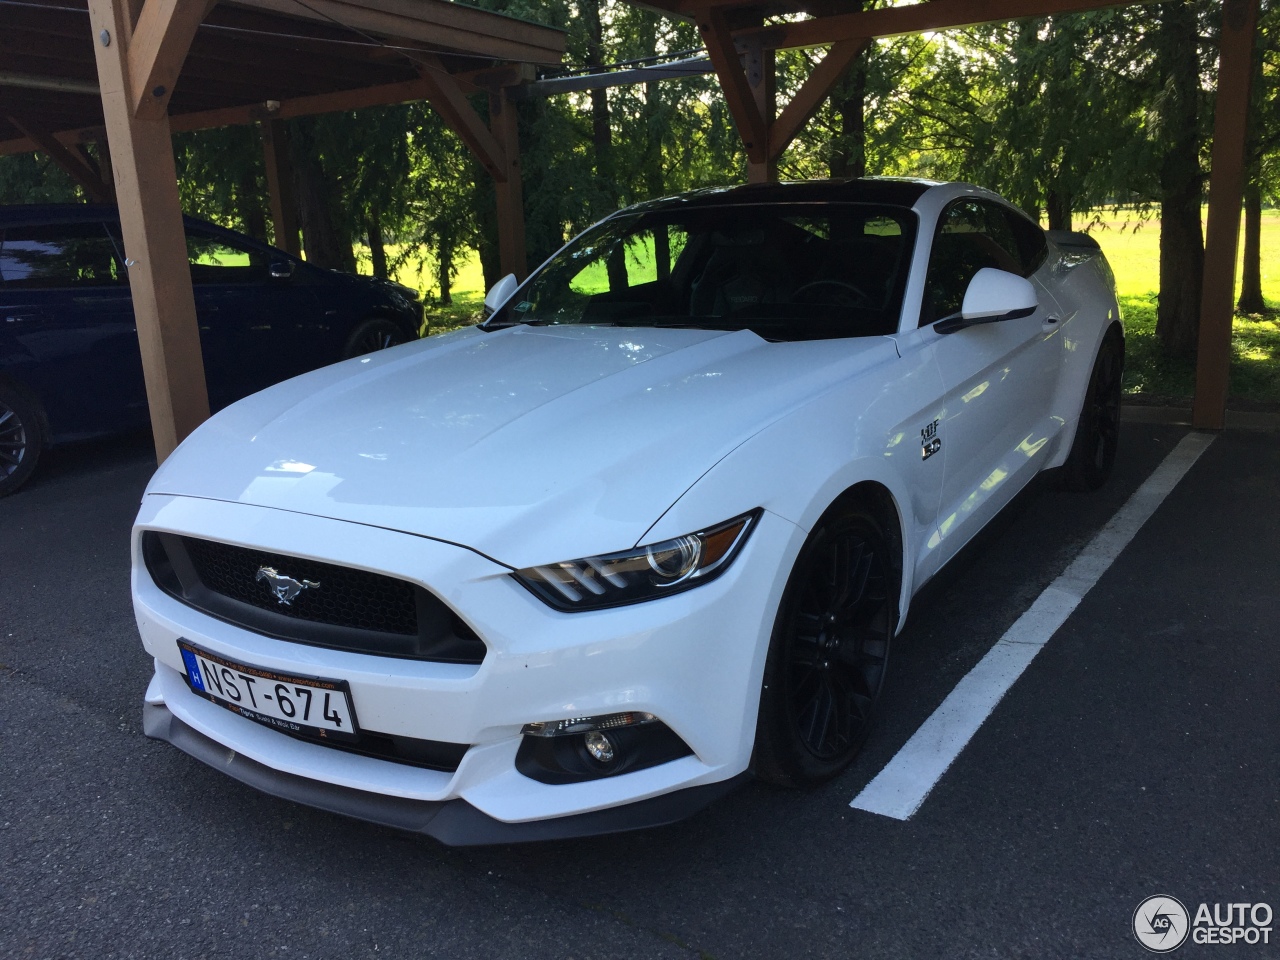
1132	247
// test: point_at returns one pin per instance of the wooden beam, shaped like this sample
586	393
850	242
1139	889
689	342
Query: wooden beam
812	93
354	99
448	100
453	26
752	126
510	193
280	187
68	160
159	44
1226	191
914	18
154	239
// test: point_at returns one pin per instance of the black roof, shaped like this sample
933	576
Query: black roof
893	191
30	214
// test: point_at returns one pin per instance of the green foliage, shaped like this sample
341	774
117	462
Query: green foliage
34	178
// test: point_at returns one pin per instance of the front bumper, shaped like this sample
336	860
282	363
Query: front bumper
695	660
453	822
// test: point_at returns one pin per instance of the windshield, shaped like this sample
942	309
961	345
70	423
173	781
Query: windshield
787	272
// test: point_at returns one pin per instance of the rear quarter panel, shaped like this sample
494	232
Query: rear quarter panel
1085	290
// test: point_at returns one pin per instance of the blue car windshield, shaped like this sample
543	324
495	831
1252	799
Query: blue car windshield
786	272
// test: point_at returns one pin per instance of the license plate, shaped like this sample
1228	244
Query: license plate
303	706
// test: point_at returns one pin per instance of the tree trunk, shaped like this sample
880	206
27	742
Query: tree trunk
444	274
377	249
1251	291
849	152
249	206
323	245
1058	206
1181	232
601	133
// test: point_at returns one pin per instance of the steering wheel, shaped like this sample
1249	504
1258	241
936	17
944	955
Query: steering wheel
858	292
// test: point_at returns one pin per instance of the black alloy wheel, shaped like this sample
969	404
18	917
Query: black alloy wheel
1093	452
373	335
829	651
21	438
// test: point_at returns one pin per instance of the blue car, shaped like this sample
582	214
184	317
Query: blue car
70	366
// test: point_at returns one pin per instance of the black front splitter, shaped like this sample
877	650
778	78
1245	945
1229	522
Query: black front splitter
455	823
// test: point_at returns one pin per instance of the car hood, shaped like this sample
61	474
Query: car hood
530	444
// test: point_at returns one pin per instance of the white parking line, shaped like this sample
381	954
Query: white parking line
898	790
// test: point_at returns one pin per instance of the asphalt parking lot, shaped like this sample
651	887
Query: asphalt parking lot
1139	754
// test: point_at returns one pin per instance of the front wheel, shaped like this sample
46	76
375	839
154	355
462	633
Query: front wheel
1093	452
829	651
22	437
376	333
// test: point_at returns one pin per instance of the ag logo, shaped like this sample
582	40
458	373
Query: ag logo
1161	924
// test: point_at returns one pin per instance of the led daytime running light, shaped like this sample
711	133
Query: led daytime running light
562	728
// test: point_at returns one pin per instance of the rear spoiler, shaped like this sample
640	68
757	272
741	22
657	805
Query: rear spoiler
1072	242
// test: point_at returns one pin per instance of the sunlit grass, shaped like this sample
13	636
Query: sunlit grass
1132	246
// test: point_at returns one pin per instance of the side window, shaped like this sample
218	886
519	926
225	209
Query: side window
972	234
214	260
1032	247
59	255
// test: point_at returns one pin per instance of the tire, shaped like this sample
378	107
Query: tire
829	651
1093	451
376	333
22	437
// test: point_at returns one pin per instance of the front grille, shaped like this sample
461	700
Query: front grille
345	597
347	609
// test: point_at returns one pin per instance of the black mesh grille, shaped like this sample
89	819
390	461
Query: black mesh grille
344	597
346	610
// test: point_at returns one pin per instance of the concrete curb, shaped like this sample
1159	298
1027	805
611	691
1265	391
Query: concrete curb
1181	417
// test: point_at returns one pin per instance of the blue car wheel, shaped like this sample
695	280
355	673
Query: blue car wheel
21	437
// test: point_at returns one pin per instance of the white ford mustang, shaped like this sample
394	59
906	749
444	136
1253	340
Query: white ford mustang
649	529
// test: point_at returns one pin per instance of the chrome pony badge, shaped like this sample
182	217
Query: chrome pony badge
286	589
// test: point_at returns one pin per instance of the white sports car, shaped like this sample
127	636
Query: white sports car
647	530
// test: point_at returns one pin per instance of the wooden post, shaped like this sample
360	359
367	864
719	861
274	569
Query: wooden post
1226	190
511	240
280	188
147	192
762	69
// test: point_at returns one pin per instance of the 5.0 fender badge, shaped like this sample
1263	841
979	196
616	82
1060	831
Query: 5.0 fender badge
286	589
929	441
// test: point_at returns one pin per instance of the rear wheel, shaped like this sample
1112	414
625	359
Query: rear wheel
829	651
22	437
372	335
1093	452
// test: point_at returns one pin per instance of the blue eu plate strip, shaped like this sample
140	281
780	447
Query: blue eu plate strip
193	670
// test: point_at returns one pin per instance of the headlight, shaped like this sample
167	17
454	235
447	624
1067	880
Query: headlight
642	573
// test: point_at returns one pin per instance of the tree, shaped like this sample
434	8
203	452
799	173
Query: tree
1263	153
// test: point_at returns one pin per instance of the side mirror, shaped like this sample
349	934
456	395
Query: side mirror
281	269
500	293
992	296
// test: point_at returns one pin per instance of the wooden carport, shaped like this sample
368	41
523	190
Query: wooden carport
126	73
162	66
741	45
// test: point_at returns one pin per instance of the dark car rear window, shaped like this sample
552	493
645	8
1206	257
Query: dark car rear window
58	255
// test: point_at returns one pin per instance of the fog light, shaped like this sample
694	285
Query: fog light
599	746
